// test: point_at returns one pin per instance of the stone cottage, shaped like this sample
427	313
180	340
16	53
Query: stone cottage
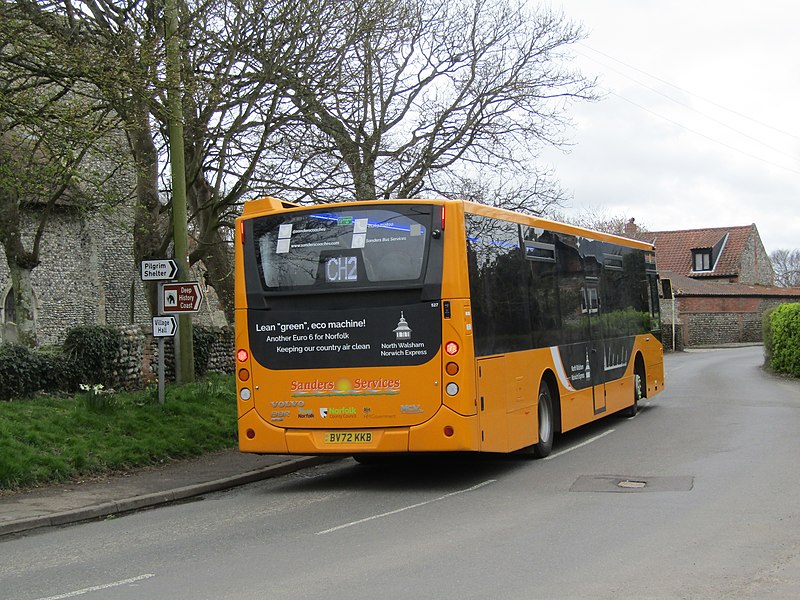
722	280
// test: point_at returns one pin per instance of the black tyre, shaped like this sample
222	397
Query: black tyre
547	427
638	382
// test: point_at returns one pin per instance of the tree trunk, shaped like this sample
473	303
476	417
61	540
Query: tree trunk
147	232
20	265
23	303
364	178
219	263
211	247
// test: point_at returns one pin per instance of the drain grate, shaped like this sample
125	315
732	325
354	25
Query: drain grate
627	484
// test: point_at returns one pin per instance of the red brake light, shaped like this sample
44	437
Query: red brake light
451	348
242	355
443	207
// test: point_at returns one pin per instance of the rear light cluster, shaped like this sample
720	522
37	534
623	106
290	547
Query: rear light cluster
243	374
451	368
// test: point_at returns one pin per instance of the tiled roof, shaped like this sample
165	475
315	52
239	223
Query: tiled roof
689	286
674	248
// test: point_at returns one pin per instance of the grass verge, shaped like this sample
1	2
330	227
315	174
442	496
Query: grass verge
51	439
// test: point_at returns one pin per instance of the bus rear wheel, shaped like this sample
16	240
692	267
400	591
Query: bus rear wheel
638	394
546	422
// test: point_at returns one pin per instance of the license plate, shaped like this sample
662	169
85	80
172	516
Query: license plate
348	437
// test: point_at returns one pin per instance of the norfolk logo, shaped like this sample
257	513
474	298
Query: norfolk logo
342	412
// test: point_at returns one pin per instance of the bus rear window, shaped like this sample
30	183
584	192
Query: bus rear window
351	247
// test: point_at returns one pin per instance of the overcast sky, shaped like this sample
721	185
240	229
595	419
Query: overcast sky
699	124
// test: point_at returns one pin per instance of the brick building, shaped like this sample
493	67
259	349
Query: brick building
722	280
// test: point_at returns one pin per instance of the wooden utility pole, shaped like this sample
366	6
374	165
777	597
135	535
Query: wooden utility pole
184	360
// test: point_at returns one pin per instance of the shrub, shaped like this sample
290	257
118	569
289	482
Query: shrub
203	339
19	376
785	324
23	372
766	335
57	372
94	350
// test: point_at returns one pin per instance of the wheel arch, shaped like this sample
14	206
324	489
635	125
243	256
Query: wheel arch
549	377
638	367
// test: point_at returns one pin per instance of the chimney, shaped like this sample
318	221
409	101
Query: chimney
631	229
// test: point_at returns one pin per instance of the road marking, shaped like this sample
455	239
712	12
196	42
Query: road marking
399	510
96	588
581	445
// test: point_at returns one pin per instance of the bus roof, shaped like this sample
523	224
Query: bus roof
267	205
534	221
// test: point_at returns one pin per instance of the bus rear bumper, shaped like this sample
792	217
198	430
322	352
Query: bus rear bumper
446	431
260	437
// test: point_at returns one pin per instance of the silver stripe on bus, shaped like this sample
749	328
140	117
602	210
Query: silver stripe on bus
562	375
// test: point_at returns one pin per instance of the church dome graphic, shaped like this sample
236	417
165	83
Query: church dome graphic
402	331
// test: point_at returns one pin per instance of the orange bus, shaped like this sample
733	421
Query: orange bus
435	326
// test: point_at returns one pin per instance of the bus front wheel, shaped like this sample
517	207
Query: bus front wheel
546	422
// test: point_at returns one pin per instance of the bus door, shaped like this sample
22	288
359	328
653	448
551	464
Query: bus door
594	366
492	379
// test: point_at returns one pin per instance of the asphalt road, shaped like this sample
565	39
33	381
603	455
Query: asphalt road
718	516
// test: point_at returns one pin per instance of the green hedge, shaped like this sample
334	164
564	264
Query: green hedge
88	356
23	372
766	335
203	339
784	351
94	349
19	375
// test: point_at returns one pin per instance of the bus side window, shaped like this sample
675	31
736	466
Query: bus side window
543	304
498	288
571	281
654	303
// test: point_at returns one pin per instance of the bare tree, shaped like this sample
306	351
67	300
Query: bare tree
534	192
598	219
320	99
786	264
409	91
117	48
232	116
112	48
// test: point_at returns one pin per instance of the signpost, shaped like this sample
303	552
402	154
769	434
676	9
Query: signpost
159	270
164	326
184	297
172	298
